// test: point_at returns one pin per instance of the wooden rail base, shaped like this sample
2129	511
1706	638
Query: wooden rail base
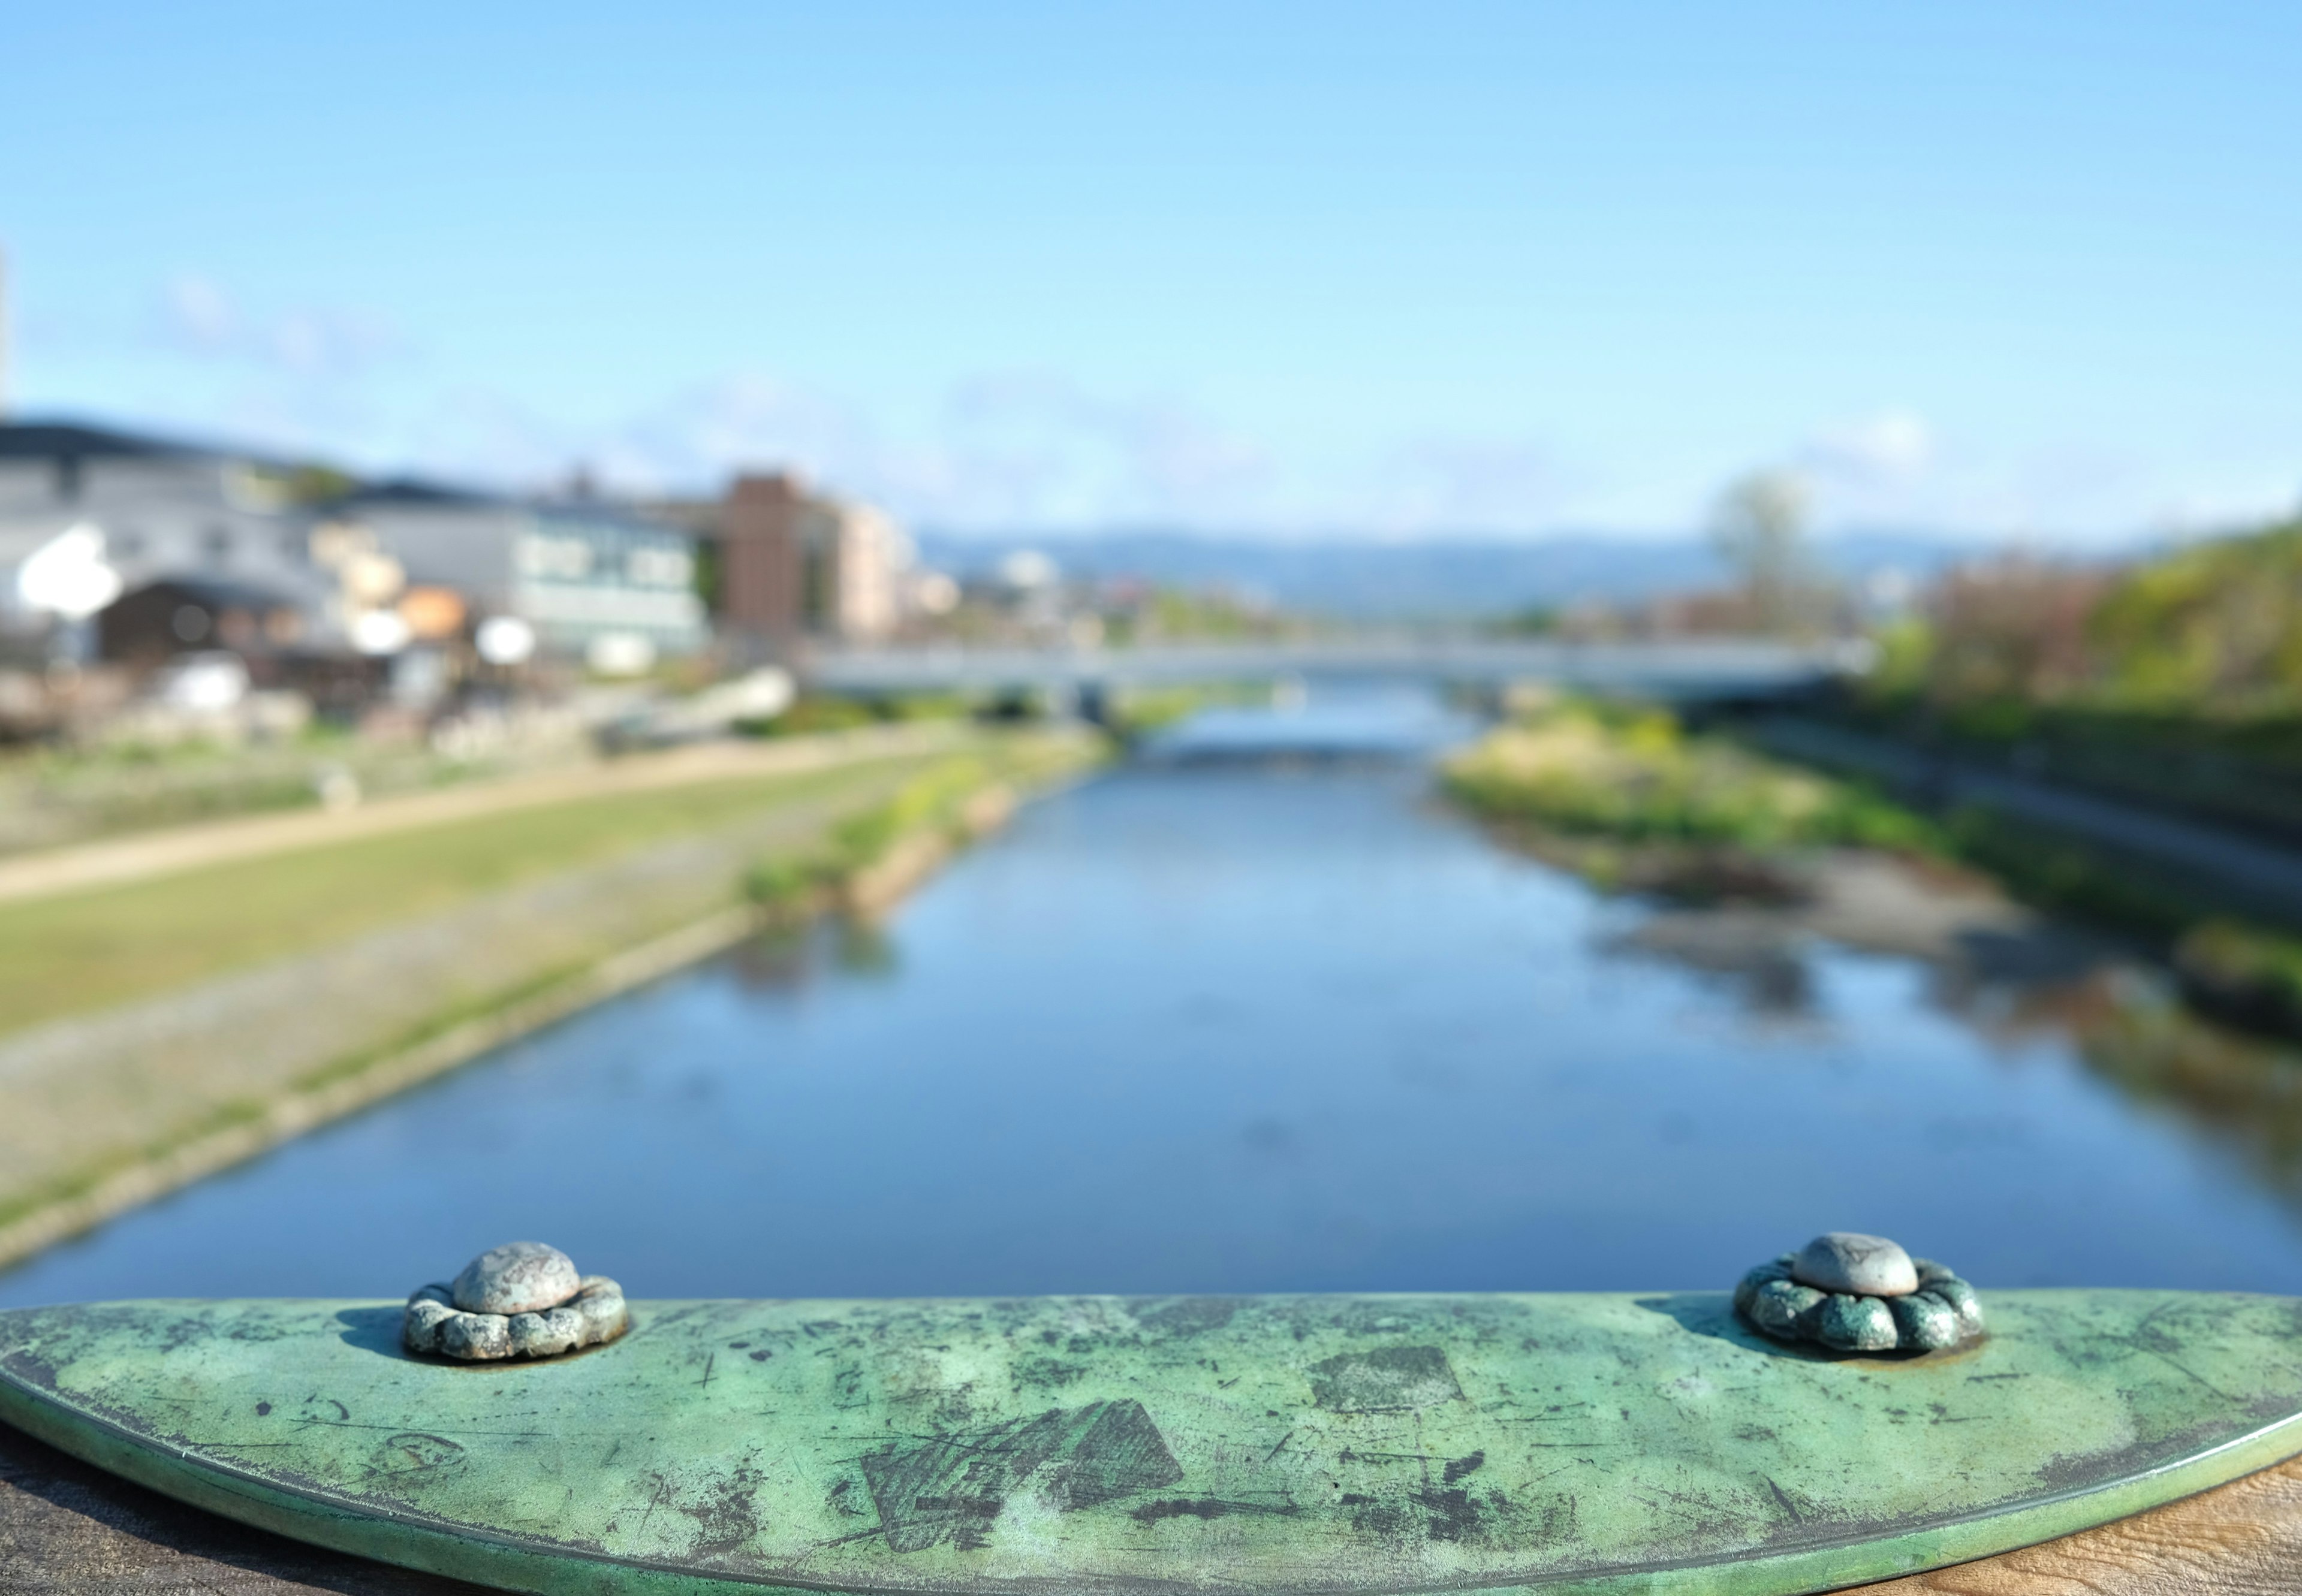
67	1527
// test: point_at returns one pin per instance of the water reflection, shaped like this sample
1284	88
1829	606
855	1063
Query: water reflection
1344	723
2018	985
1215	1026
1758	959
2246	1093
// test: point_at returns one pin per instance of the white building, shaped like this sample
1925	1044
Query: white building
589	580
864	561
87	513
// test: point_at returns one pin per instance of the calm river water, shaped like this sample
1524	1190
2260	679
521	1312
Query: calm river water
1221	1024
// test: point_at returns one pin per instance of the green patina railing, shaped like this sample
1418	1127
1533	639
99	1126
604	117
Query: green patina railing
1302	1444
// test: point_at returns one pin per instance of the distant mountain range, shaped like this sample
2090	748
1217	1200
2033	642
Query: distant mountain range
1442	578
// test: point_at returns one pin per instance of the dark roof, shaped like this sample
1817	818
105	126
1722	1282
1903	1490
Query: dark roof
214	593
51	440
19	440
409	489
700	517
416	493
609	512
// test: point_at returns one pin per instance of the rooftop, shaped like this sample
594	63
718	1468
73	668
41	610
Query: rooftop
47	440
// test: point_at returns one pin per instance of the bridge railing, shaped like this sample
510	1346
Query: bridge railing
1678	667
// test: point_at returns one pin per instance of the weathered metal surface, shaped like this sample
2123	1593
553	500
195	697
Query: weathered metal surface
1286	1444
68	1529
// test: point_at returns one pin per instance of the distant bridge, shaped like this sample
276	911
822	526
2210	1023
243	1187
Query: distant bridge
1682	670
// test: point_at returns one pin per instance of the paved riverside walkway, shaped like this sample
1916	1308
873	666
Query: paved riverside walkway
153	853
2256	875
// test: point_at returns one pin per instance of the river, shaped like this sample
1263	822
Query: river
1224	1022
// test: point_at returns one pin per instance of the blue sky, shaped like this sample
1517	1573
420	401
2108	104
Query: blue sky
2024	272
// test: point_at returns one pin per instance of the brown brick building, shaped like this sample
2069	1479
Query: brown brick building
795	564
764	563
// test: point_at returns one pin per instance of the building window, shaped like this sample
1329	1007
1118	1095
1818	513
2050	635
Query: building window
658	566
569	559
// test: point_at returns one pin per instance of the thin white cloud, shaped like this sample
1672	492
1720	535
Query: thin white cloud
485	438
328	343
744	422
1885	466
1006	449
199	317
1892	446
1041	451
1452	485
1038	448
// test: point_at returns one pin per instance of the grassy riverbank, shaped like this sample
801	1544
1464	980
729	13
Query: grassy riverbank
1641	796
52	797
870	858
2175	681
1633	800
69	956
157	1029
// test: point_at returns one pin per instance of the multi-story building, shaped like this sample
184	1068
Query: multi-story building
94	512
325	566
796	564
760	529
589	579
862	560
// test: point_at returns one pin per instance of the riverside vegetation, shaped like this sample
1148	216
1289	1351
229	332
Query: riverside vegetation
873	855
2174	681
1635	777
1633	800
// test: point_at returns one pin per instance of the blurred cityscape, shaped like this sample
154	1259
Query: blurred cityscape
159	591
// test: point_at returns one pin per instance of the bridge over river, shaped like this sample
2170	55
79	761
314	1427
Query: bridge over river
1682	670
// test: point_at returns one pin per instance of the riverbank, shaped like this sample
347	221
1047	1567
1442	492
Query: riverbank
1631	801
164	1027
57	797
1746	855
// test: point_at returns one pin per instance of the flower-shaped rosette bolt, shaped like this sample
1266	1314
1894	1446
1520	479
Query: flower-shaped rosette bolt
523	1300
1853	1293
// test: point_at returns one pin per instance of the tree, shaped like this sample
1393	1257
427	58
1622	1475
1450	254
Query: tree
1759	527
